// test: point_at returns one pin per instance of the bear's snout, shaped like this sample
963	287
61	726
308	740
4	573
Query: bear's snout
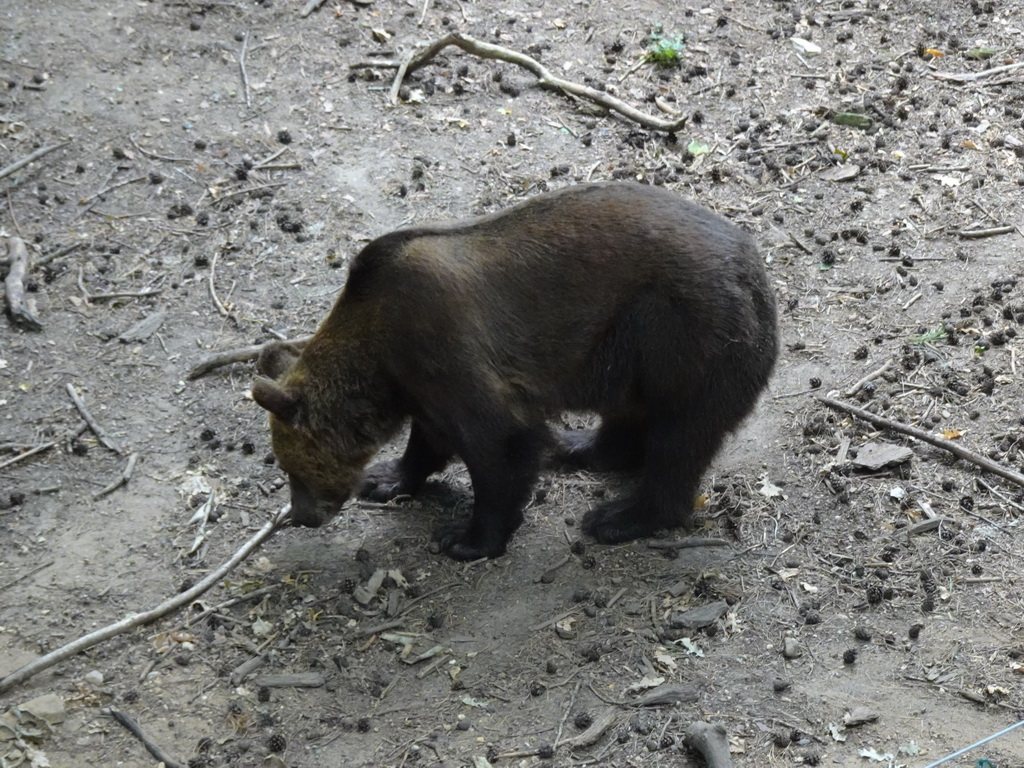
309	511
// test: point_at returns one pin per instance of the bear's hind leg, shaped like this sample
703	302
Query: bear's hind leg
679	448
424	455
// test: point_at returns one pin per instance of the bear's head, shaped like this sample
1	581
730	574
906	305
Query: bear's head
318	433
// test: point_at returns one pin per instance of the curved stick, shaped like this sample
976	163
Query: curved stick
946	445
130	622
544	78
241	355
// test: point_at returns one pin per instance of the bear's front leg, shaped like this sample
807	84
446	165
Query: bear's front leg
424	455
503	471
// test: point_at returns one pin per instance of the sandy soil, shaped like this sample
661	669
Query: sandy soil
223	209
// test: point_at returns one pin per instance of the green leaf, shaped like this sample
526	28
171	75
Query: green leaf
664	51
980	53
696	148
938	333
852	119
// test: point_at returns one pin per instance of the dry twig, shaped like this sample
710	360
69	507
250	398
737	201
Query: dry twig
870	377
19	579
242	355
976	234
101	434
43	447
46	258
687	543
946	445
544	77
125	476
565	715
246	191
971	77
20	308
154	155
19	164
191	620
136	620
136	730
241	67
224	312
111	188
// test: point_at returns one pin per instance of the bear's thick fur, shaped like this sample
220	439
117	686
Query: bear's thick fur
617	298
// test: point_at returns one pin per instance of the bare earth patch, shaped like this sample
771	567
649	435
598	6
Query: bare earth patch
209	169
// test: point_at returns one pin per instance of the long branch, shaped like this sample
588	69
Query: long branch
544	77
130	622
241	355
946	445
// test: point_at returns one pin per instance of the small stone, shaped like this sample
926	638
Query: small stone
876	456
695	618
94	678
791	648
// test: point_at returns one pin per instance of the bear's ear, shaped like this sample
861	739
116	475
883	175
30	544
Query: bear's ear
276	399
277	359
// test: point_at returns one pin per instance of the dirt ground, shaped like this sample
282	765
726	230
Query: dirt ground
223	162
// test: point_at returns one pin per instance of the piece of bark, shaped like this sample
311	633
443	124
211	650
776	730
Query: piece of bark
246	668
929	525
711	740
143	329
697	618
860	716
19	307
292	680
669	693
691	542
597	729
876	456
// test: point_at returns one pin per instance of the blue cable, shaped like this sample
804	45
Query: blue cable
983	763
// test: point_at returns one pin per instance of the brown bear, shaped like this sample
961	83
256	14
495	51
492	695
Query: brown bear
616	298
